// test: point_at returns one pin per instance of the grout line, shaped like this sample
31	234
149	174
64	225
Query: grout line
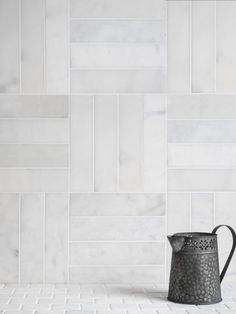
20	83
69	188
117	265
93	152
117	216
190	46
143	19
201	119
117	68
215	47
142	162
45	48
44	238
117	241
190	211
214	220
19	243
118	142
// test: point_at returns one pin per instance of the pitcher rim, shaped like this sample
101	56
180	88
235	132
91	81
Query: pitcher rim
194	234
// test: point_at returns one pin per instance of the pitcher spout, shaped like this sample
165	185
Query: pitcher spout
176	242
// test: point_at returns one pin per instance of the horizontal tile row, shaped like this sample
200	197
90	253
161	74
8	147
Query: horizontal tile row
123	253
33	106
114	204
118	9
117	275
123	55
200	46
117	228
122	31
118	81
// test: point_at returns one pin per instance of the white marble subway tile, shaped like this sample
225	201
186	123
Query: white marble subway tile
105	143
178	46
31	237
118	9
116	228
81	144
225	46
9	52
131	143
114	204
199	131
33	180
123	253
33	106
202	212
117	275
203	46
154	143
27	155
118	81
146	31
56	237
32	45
124	55
225	214
201	180
178	212
201	106
210	156
57	26
34	131
9	237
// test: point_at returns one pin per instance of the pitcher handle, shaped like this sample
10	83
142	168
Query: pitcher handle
232	250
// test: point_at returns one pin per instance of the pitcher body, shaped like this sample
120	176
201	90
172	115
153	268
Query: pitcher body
195	277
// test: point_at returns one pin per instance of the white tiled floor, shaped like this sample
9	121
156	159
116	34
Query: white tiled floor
102	299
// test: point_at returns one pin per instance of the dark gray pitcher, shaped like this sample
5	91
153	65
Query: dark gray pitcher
194	275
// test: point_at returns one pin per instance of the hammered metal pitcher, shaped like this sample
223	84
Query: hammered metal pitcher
194	275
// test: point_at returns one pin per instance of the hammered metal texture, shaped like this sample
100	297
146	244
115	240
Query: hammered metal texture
194	278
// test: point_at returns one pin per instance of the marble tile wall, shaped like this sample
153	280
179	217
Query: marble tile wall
117	127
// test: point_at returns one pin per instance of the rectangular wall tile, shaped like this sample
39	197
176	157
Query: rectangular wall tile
112	204
34	131
125	55
202	155
202	180
201	107
18	155
178	46
117	31
178	212
118	8
9	52
225	214
202	212
225	46
154	143
81	161
32	45
31	237
203	46
36	106
105	143
118	81
106	253
57	46
117	275
116	228
56	237
9	237
33	180
131	143
196	131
